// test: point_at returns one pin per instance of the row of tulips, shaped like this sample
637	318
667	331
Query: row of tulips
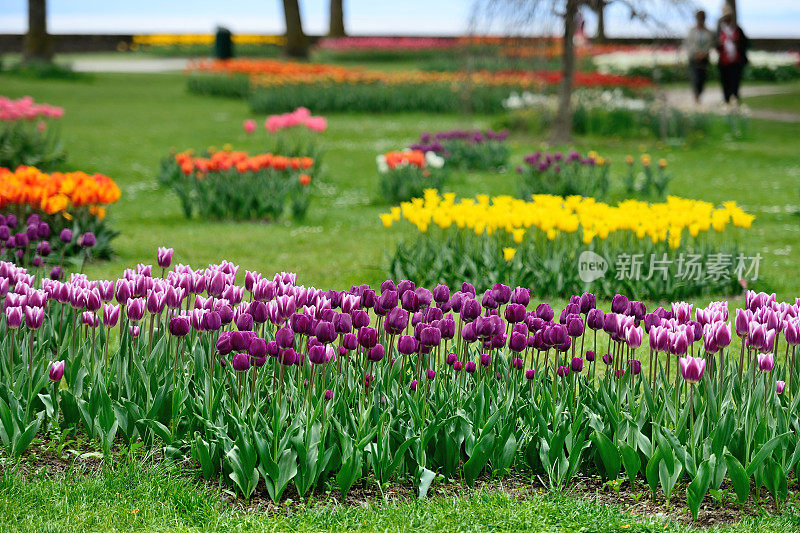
472	150
541	243
267	73
233	184
273	85
271	383
564	175
26	133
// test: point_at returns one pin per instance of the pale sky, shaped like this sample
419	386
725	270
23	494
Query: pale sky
759	18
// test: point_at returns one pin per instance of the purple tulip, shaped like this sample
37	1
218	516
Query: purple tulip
515	313
441	294
406	345
179	326
135	309
87	240
110	315
349	341
368	337
360	318
619	304
576	364
56	272
742	322
288	357
635	366
766	362
651	320
430	336
470	310
376	353
34	317
240	362
563	371
588	302
486	359
258	348
224	343
316	354
164	257
608	359
413	385
545	312
134	331
326	331
470	367
501	293
692	368
244	322
285	337
575	327
56	371
521	296
518	342
780	386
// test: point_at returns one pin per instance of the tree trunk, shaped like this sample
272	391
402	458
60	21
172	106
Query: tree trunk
296	41
601	22
336	28
562	125
37	42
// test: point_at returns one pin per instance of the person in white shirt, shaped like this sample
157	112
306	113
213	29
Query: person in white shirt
698	45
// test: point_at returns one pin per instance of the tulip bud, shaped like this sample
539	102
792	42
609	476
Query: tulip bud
56	371
240	362
164	257
179	326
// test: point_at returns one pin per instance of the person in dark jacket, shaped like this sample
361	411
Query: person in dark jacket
732	46
698	44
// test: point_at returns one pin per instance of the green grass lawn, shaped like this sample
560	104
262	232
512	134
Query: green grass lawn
788	101
122	125
130	497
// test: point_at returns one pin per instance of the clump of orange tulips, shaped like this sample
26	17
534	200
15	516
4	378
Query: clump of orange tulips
56	192
229	184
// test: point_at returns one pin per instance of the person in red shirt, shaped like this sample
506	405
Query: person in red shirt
732	46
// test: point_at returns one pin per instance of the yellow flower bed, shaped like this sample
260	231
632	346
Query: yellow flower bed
191	39
553	215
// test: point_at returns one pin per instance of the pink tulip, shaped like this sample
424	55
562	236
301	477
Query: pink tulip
317	124
249	126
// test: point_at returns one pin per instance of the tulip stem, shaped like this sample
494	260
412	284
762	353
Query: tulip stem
791	369
741	357
691	427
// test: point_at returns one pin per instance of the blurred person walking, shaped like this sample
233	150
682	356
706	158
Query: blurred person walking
732	45
698	46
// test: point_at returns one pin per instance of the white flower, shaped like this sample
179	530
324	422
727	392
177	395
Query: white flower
513	101
434	160
383	168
